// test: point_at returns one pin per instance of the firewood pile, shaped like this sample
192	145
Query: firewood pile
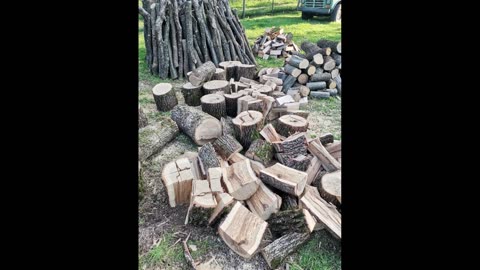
274	44
181	35
318	69
259	178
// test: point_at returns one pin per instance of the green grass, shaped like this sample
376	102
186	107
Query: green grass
262	7
164	254
322	252
312	30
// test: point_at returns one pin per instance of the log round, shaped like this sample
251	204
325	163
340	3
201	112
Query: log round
331	84
202	74
334	73
328	63
199	126
247	126
214	104
246	71
219	74
290	124
302	79
298	62
215	86
330	187
192	94
164	96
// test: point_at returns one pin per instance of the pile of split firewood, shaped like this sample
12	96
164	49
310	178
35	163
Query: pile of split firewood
318	69
274	44
181	35
264	185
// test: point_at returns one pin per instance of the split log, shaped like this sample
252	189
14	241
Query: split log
264	202
192	94
177	176
319	94
298	62
208	157
246	126
164	96
314	86
323	212
284	99
336	46
243	103
242	231
328	162
295	145
304	91
270	134
311	221
225	204
328	63
288	221
227	126
152	138
240	180
276	252
333	146
231	102
215	86
298	162
199	126
284	178
302	79
202	204
230	68
219	74
321	77
331	187
214	104
313	170
142	119
256	166
202	74
290	124
270	77
278	93
261	151
215	180
226	146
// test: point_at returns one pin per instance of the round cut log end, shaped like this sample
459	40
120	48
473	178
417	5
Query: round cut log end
304	64
328	51
161	89
294	120
212	98
208	131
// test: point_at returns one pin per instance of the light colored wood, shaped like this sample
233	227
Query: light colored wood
328	162
285	99
311	222
270	134
242	231
331	187
224	204
256	166
284	178
323	212
177	177
202	203
215	180
264	202
313	170
240	180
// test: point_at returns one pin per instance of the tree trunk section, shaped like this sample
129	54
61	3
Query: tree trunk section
226	146
321	77
214	104
164	96
219	75
284	178
331	187
192	94
199	126
152	138
215	86
276	252
203	73
290	124
227	126
246	126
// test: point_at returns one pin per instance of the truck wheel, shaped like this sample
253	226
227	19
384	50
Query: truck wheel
306	16
336	15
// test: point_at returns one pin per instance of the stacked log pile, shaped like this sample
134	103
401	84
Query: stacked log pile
274	44
181	35
318	69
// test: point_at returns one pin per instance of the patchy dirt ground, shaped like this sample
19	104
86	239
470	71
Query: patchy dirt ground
161	227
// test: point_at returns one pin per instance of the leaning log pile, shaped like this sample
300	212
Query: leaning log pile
181	35
318	69
274	44
260	178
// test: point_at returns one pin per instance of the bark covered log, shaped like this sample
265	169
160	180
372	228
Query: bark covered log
192	94
276	252
164	96
153	138
214	104
199	126
247	125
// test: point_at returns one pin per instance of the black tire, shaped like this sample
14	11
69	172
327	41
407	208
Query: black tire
336	15
306	16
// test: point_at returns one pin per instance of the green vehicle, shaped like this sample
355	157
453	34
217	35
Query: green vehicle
310	8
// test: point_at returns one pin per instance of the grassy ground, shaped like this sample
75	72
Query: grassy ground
322	251
260	7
